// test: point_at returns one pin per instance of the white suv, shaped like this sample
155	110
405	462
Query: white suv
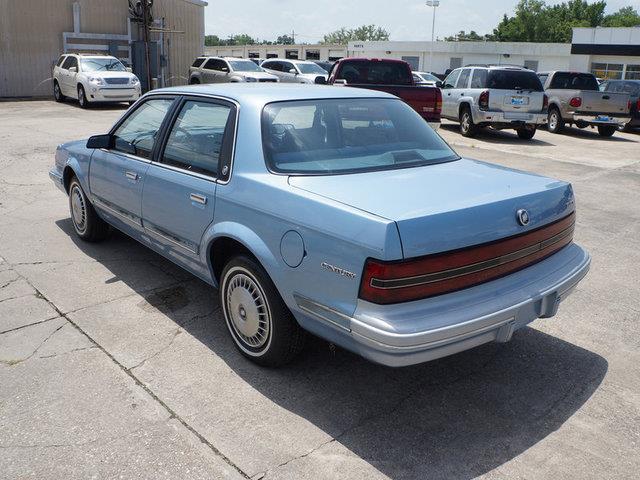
93	78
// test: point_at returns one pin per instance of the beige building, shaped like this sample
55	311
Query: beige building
294	52
33	33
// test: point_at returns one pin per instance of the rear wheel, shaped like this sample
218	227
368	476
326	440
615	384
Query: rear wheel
467	127
606	131
86	222
526	133
82	97
260	324
555	124
194	81
57	93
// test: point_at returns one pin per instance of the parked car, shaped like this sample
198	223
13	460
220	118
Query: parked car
227	70
391	76
294	71
92	79
494	96
631	88
336	211
575	98
326	66
424	78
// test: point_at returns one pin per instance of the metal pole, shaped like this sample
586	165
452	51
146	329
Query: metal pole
145	39
433	28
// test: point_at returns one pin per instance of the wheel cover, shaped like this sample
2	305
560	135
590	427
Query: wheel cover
553	120
56	91
78	209
247	310
465	122
81	98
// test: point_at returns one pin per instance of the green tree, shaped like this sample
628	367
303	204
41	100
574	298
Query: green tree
472	36
364	33
211	40
284	40
625	17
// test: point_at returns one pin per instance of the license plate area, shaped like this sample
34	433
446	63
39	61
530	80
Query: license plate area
519	101
603	118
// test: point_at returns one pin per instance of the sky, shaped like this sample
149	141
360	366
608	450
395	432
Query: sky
403	19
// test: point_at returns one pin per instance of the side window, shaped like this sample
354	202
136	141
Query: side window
210	65
479	78
70	62
286	66
223	66
137	134
543	79
195	140
464	78
452	78
606	87
60	60
198	62
275	66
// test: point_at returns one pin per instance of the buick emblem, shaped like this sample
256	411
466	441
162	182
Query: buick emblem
523	217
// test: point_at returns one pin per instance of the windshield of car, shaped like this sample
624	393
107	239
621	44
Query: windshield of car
513	80
334	136
376	72
244	66
102	64
311	68
427	77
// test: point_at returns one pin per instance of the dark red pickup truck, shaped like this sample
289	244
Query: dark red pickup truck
391	76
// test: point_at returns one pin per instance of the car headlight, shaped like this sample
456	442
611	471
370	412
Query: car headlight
134	80
251	79
97	81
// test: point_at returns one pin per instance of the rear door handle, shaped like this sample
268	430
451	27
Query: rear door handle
196	197
132	175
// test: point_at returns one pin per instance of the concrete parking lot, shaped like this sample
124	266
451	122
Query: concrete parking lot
114	363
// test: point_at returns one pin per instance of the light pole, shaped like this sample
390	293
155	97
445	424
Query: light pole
434	4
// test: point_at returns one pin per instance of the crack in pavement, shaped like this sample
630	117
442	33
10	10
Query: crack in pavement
67	352
163	349
138	382
17	362
30	324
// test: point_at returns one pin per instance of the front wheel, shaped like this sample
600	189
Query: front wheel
606	131
260	324
467	127
86	222
82	97
526	133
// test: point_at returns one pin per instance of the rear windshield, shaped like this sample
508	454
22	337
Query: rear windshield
574	81
325	137
513	80
386	73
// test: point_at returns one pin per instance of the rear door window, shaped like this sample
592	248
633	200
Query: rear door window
198	62
195	142
60	60
479	78
463	81
136	135
70	62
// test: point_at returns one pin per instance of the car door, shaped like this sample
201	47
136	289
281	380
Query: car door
287	76
64	80
449	103
211	71
117	174
273	67
179	191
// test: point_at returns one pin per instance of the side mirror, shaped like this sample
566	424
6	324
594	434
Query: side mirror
320	80
129	69
73	69
100	141
293	70
439	84
340	81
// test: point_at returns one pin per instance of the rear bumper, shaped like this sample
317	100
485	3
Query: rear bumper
415	332
505	118
595	119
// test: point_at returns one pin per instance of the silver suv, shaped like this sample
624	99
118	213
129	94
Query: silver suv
501	97
227	70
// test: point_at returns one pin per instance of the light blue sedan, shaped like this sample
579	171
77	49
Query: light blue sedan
334	211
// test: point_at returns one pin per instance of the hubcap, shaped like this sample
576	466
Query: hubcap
78	209
465	122
247	310
81	96
56	90
553	121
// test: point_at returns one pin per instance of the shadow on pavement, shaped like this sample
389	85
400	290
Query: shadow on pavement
457	417
505	137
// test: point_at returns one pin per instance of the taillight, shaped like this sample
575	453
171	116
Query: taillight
417	278
575	102
629	105
637	105
483	100
545	102
438	101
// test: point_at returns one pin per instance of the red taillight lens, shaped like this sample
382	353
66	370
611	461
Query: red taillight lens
483	100
438	101
575	102
545	102
414	279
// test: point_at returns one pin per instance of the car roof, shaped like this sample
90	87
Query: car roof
259	94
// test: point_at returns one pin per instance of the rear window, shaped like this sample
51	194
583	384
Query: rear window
574	81
334	136
385	73
198	62
513	80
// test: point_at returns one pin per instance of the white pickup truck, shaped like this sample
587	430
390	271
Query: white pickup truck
574	98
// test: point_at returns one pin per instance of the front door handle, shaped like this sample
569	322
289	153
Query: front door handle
131	175
196	197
